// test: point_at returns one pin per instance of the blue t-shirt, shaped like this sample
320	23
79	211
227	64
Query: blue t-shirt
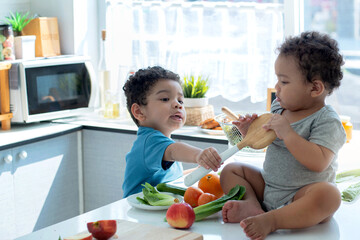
144	162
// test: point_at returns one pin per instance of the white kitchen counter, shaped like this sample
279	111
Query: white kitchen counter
344	224
20	134
23	133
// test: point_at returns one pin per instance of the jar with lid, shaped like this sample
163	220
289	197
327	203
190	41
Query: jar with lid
6	42
345	120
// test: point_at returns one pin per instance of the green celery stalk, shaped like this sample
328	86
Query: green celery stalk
203	211
348	175
142	201
351	193
155	198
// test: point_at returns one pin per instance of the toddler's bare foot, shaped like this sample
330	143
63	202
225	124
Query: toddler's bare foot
235	211
258	227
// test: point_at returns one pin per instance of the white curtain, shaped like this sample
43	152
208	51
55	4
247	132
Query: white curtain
231	43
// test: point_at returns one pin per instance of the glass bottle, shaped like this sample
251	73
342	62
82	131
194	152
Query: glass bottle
104	76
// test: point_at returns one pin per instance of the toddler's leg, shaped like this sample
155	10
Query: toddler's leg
251	178
312	204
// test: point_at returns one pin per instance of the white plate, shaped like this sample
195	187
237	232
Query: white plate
212	132
136	204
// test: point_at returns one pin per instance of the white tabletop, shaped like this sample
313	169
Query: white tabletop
344	225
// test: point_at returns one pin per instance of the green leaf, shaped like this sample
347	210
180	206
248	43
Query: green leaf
347	175
18	21
155	198
142	201
351	193
195	87
203	211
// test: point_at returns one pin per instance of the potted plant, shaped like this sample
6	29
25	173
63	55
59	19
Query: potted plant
24	45
18	21
195	89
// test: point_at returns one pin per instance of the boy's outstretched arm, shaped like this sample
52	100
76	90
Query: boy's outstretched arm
208	158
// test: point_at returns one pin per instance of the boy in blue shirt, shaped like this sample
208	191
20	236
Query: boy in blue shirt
155	101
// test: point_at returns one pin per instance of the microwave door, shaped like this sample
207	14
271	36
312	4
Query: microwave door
59	90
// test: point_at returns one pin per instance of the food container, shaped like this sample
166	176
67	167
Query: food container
6	43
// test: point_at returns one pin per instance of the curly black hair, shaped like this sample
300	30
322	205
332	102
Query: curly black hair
317	55
138	86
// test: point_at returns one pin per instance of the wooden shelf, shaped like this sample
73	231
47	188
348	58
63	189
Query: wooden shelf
5	114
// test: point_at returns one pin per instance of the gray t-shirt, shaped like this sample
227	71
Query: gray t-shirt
283	174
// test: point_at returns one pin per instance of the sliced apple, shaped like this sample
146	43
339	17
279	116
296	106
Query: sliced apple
80	236
103	229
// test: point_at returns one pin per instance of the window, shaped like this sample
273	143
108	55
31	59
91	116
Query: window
233	42
340	19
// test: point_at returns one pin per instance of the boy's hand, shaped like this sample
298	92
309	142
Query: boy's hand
244	122
209	158
280	125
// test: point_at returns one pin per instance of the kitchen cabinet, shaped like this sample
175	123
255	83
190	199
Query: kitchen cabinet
39	184
104	166
7	202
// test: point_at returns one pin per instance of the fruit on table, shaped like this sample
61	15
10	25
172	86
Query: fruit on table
192	195
210	183
80	236
205	198
180	215
203	211
102	229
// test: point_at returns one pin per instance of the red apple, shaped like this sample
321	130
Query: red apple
80	236
103	229
180	215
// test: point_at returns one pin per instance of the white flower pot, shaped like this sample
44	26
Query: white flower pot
25	47
196	102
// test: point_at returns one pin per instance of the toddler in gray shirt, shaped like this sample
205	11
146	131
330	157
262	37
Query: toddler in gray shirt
295	188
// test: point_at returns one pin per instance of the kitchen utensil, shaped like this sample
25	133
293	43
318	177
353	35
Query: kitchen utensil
256	137
230	113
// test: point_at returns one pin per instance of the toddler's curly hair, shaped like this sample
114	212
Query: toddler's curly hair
317	55
138	86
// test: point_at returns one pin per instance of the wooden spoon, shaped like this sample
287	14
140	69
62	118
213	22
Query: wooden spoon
257	137
230	114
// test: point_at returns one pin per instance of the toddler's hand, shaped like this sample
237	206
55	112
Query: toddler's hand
244	122
280	125
209	158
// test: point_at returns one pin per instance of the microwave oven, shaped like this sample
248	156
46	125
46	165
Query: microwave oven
51	88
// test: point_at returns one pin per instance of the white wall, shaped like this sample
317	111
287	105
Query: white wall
77	20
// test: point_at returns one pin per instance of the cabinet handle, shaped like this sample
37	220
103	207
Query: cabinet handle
8	158
23	155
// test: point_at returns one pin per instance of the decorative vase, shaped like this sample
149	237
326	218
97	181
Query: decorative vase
196	102
25	47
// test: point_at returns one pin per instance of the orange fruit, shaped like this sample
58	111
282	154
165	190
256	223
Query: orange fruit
205	198
192	195
210	183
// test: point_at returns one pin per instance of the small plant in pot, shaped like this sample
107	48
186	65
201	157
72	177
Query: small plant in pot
24	44
18	21
195	89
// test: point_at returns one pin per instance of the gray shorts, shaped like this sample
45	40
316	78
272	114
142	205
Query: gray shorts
276	198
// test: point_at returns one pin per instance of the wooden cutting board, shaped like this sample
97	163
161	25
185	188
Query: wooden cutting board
131	230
